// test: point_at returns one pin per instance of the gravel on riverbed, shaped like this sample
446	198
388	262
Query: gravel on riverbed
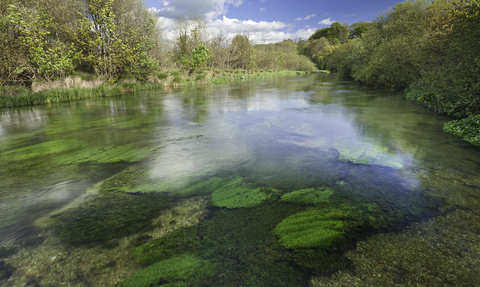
48	262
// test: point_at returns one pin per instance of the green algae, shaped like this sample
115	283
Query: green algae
42	149
109	216
170	272
237	194
312	228
239	239
178	242
371	152
309	195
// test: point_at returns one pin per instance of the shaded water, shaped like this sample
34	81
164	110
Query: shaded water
258	183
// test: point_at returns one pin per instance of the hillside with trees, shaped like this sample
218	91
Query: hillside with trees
431	48
52	39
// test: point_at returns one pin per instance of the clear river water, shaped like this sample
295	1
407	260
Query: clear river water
309	180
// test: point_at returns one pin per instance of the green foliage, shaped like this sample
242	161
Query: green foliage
309	195
467	129
358	29
162	76
177	79
58	95
47	60
198	56
452	71
335	34
389	51
171	271
200	77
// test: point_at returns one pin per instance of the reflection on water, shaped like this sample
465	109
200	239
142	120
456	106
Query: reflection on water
262	183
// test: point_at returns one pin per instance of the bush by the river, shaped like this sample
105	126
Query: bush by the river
467	129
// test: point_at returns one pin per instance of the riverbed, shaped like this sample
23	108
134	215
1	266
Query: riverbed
311	180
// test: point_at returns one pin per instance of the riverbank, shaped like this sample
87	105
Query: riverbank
67	90
466	127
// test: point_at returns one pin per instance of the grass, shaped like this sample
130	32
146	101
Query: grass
15	96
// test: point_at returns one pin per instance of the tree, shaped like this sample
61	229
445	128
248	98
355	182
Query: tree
48	57
198	56
189	33
358	29
243	53
106	51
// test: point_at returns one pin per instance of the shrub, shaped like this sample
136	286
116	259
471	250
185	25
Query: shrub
162	76
468	129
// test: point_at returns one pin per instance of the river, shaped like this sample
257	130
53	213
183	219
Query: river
311	180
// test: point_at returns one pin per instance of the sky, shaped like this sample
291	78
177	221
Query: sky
269	21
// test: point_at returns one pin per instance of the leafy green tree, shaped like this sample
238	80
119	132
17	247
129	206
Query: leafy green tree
358	29
451	77
198	56
390	51
104	49
46	59
14	54
243	53
335	34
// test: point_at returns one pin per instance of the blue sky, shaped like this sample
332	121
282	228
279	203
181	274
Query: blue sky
270	20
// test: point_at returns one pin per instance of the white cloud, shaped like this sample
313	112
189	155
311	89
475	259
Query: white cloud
309	16
260	32
351	15
211	9
306	18
327	21
262	9
263	1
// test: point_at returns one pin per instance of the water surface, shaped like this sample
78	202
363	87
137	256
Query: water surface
257	183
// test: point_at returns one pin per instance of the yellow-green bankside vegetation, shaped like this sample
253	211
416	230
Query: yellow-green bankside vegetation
46	43
431	48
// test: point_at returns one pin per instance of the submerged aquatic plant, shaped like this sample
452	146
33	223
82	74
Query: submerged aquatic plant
109	216
314	228
370	152
171	272
309	195
237	194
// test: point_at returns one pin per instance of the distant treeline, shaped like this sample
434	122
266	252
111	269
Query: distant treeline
432	48
50	39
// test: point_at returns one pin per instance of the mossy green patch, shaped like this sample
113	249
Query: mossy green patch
366	152
178	242
313	228
107	154
208	186
309	195
42	149
174	271
109	216
239	239
237	194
